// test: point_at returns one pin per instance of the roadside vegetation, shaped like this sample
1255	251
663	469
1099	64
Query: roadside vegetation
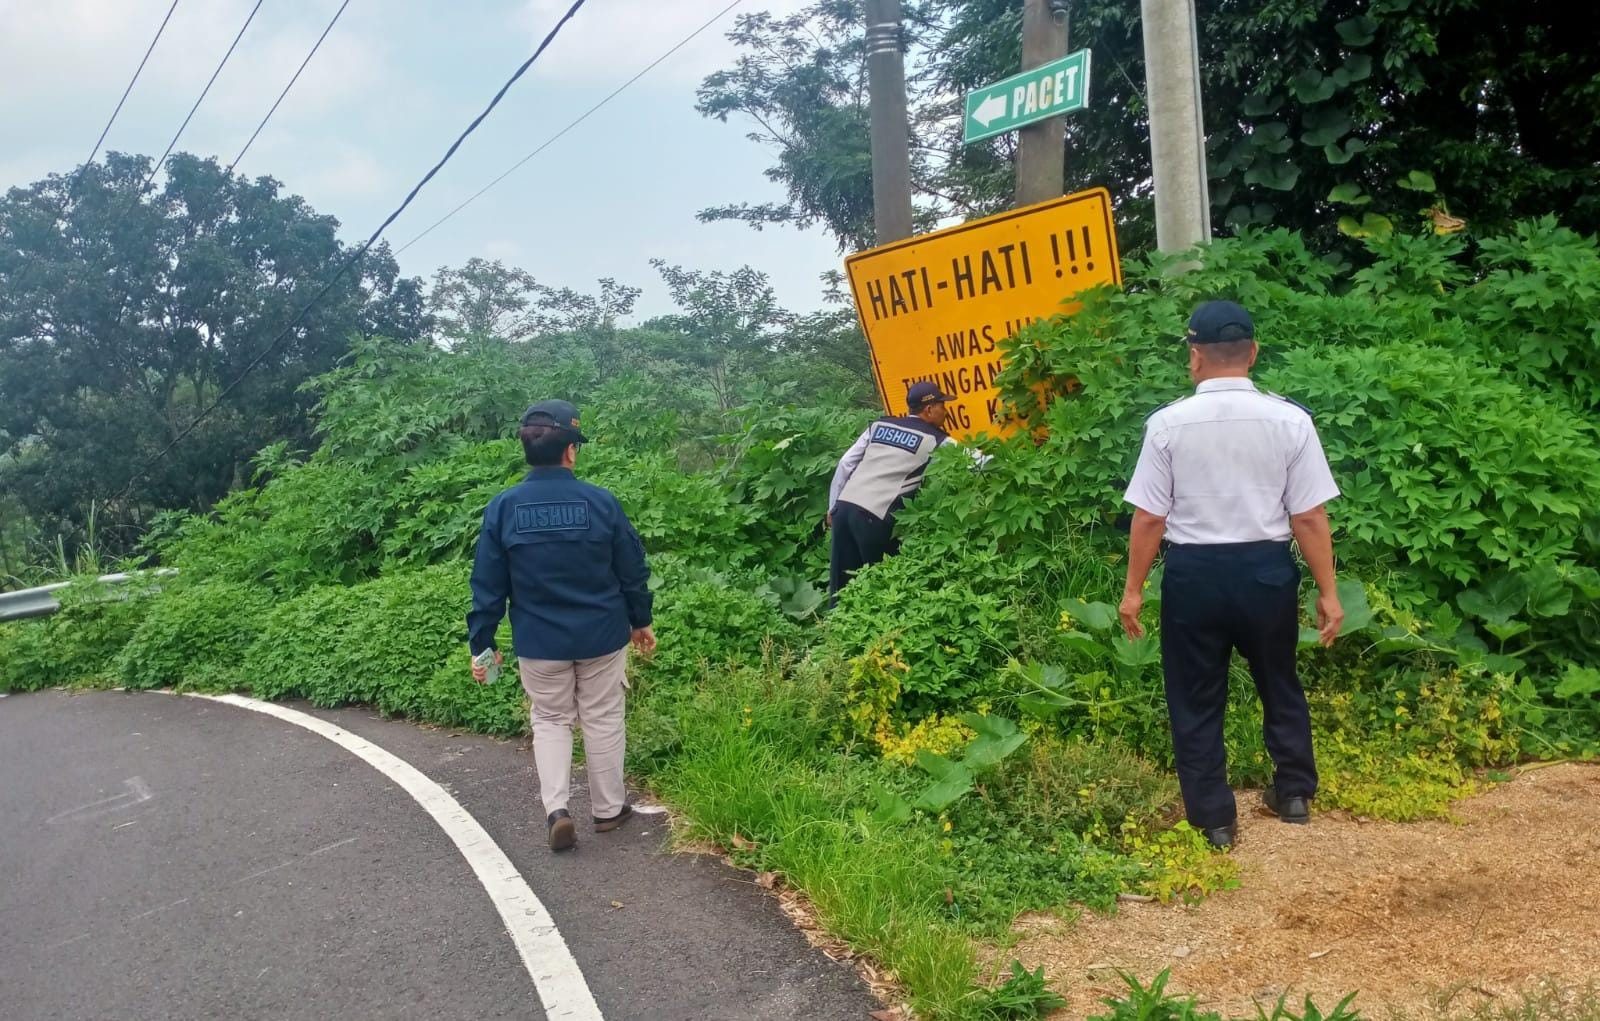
968	737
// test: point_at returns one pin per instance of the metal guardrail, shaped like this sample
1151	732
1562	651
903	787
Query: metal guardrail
42	602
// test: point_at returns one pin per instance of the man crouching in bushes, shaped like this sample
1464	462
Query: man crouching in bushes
574	569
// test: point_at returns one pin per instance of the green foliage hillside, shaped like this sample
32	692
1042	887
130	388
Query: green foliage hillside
968	736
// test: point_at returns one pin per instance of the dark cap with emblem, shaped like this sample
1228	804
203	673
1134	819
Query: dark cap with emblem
923	394
1220	322
560	414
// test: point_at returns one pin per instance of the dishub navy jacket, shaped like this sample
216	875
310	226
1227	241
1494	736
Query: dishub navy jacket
570	562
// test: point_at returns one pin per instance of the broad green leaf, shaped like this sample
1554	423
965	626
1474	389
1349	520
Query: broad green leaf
1357	67
1094	616
1257	105
1044	705
1352	598
1349	194
1310	638
1418	180
1358	31
1502	598
1578	682
892	809
1586	580
951	781
1280	176
1502	664
1137	652
1339	156
1506	631
1548	594
985	753
997	727
1371	225
1077	641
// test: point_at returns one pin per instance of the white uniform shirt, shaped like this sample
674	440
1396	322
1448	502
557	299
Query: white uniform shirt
1230	464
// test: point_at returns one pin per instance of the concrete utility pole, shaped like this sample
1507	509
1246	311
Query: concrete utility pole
891	145
1177	132
1041	147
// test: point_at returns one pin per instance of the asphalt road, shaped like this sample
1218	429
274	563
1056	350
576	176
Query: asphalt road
168	857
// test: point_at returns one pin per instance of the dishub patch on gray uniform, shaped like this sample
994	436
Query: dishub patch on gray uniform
566	516
895	436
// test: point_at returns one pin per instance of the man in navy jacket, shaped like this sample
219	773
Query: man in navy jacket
574	570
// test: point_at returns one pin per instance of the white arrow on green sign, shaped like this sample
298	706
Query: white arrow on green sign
1049	90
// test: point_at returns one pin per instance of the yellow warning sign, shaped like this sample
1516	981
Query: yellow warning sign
936	307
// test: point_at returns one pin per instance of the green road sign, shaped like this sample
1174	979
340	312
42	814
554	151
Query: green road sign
1050	90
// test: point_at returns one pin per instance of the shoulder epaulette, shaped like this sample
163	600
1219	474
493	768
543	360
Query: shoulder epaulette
1291	400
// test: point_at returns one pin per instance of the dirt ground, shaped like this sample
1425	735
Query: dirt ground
1410	916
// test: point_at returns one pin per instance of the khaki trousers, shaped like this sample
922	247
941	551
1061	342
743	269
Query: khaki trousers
589	691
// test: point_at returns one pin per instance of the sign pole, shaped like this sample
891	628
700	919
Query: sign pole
1041	147
1177	131
891	145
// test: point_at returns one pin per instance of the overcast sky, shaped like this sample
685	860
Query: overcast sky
392	86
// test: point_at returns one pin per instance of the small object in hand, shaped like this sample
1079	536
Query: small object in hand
486	659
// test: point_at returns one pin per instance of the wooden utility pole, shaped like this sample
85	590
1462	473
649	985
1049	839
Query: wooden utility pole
891	144
1177	131
1041	147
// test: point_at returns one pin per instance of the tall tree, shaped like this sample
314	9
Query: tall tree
1493	98
124	312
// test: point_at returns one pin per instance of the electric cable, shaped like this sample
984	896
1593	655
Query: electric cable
355	256
585	116
182	127
125	92
315	46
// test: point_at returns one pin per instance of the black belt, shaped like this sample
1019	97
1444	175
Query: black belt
1261	545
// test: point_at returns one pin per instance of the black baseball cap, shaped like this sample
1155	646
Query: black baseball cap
1219	322
923	394
561	414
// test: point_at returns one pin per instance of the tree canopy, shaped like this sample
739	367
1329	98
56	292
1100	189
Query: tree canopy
125	311
1494	99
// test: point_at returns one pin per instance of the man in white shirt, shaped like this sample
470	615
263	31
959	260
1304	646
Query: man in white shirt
1227	477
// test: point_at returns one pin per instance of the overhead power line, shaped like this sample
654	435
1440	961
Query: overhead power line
355	256
315	46
547	143
173	144
125	92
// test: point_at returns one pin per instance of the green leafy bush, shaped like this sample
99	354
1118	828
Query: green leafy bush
79	644
379	643
196	633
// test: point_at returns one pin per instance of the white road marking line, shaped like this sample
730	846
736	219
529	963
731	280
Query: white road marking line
137	792
555	973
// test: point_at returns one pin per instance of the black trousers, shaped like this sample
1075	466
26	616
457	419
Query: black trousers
859	538
1215	599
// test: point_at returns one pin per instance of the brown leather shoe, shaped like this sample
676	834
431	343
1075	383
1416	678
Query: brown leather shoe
607	825
563	831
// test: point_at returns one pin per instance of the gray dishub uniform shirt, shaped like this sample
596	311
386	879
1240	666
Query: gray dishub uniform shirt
886	464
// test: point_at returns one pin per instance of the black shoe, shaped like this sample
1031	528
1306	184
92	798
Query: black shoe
607	825
563	832
1222	837
1291	808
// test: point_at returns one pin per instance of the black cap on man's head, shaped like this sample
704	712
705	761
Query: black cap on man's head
560	414
1220	322
923	394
